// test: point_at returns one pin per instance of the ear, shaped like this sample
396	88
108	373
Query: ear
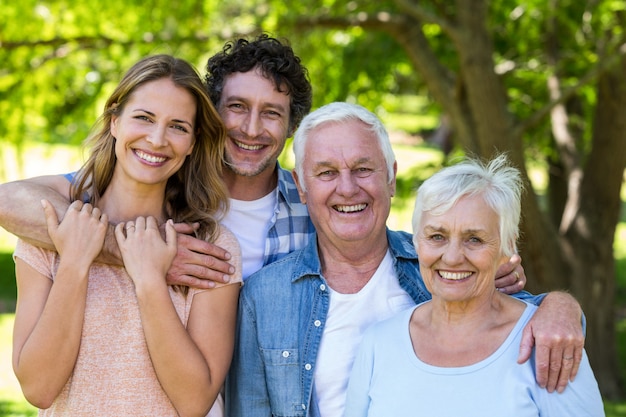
301	193
392	185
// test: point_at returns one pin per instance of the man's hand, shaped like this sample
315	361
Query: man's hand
556	332
198	264
510	277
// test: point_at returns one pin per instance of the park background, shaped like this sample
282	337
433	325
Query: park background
543	80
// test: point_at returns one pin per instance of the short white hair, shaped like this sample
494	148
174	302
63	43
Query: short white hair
496	181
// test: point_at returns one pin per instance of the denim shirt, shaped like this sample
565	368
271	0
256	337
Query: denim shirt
282	313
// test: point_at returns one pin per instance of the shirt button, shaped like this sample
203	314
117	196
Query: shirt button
317	323
285	354
304	406
307	367
323	287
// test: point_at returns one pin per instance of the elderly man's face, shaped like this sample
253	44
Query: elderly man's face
459	250
348	192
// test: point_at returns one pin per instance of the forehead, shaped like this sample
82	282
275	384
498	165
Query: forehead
468	213
253	86
163	95
347	141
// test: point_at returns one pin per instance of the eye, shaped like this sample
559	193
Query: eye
273	114
142	117
436	237
328	174
363	172
182	128
236	107
475	239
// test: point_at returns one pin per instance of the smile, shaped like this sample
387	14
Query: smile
248	147
350	209
150	158
454	276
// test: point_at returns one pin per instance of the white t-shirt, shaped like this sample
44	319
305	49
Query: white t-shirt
348	317
250	222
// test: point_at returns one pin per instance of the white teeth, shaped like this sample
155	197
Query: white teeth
351	209
455	276
248	147
150	158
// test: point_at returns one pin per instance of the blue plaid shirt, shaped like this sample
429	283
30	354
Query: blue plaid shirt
291	226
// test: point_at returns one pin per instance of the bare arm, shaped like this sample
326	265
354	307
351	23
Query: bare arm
204	348
21	214
197	264
557	334
49	316
20	207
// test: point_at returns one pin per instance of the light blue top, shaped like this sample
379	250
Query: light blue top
388	379
282	313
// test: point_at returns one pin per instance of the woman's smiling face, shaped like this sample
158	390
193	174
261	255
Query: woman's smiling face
154	132
459	250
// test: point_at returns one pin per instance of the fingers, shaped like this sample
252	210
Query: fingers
186	228
201	246
170	233
526	347
189	281
51	215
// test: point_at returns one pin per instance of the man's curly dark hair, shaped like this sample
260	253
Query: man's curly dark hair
276	61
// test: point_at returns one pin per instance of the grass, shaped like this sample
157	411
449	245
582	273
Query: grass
413	168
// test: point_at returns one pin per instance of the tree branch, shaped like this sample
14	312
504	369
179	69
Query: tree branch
604	63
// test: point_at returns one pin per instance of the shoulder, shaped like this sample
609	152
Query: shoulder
227	240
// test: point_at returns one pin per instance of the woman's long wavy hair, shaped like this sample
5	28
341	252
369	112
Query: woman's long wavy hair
196	193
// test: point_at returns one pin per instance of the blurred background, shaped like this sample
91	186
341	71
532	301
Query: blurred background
543	80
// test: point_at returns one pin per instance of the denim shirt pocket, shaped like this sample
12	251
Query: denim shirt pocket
282	371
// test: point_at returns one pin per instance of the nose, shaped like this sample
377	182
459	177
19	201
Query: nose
453	252
157	136
251	125
347	183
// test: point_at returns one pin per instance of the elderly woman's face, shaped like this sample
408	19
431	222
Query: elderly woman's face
459	250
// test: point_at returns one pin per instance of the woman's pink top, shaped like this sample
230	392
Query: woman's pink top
113	374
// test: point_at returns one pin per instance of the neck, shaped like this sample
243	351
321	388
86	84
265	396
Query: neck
347	269
249	188
127	202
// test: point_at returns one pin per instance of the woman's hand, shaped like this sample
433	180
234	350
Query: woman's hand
146	256
80	235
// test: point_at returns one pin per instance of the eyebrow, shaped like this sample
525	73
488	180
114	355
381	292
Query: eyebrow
174	120
265	103
331	164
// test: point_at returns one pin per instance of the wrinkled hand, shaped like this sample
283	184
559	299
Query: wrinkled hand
80	235
146	255
557	334
510	277
198	263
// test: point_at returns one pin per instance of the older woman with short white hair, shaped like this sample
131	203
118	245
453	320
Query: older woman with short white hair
456	354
